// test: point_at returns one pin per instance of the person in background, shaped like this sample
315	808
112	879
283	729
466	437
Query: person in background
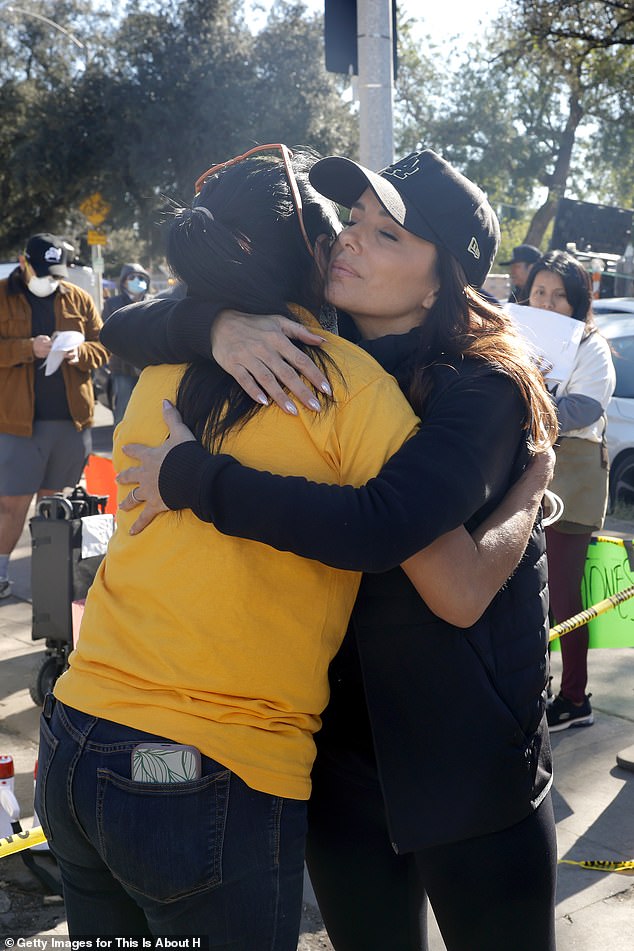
45	420
524	256
557	282
134	285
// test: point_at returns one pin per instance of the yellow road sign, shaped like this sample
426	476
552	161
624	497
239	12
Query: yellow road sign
97	237
95	208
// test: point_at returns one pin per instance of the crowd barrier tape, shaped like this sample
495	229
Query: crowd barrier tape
27	839
21	840
578	620
601	865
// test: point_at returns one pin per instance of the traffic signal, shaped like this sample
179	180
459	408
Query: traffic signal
340	33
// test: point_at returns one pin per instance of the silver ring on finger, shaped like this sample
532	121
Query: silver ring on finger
134	496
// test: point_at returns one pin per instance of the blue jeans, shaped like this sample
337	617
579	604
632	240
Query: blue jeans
210	857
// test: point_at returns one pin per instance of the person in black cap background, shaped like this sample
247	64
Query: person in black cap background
434	761
45	419
134	285
524	256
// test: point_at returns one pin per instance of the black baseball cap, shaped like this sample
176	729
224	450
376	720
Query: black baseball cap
427	197
524	254
47	254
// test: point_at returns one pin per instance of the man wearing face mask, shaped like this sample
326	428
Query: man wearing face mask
45	420
134	284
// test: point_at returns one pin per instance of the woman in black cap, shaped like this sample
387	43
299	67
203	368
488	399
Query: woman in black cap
434	768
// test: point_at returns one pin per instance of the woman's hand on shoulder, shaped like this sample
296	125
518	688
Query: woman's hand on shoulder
258	352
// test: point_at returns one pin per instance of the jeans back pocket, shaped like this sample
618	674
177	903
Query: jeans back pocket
163	840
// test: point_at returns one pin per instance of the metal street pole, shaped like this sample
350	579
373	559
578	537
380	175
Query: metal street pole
376	82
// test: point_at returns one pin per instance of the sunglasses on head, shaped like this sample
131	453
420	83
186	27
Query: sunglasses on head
286	155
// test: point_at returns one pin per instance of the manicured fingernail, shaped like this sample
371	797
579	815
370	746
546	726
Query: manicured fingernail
290	408
325	388
167	404
261	398
314	404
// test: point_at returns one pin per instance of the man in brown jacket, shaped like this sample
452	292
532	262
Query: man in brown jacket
45	417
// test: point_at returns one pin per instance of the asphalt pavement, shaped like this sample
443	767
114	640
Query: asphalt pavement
593	795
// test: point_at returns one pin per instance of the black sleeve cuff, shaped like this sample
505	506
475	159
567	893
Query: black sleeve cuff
186	478
189	326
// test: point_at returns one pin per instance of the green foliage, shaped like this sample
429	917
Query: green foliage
421	92
165	91
290	94
597	22
135	104
535	110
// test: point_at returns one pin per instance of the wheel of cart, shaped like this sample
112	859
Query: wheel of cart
59	576
55	661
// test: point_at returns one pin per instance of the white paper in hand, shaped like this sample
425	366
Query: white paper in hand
63	341
552	338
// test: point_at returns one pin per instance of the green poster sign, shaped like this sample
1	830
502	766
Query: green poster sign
609	569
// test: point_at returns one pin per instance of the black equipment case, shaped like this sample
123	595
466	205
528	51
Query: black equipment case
59	576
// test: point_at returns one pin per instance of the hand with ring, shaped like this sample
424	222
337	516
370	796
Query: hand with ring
146	475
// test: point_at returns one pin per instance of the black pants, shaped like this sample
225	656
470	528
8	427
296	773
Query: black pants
491	893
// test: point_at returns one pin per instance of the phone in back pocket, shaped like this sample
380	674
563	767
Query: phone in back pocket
165	763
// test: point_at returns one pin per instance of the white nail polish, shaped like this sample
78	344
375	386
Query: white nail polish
314	404
291	408
325	388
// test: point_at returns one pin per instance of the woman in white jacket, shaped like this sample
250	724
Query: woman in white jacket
559	283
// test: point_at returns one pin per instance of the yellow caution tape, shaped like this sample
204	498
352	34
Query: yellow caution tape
609	540
599	865
584	616
21	840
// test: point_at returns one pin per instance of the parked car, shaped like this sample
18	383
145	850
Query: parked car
618	328
613	306
6	267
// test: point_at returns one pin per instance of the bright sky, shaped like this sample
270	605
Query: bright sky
440	18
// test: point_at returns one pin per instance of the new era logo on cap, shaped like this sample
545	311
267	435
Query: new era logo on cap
47	255
474	248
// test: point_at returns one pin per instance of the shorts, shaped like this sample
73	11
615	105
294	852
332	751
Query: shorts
52	458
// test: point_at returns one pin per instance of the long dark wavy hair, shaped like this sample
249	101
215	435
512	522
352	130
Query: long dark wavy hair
240	246
461	323
576	280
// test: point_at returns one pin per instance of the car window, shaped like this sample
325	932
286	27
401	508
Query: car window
623	358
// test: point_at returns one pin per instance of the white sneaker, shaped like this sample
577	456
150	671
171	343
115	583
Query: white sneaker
5	588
